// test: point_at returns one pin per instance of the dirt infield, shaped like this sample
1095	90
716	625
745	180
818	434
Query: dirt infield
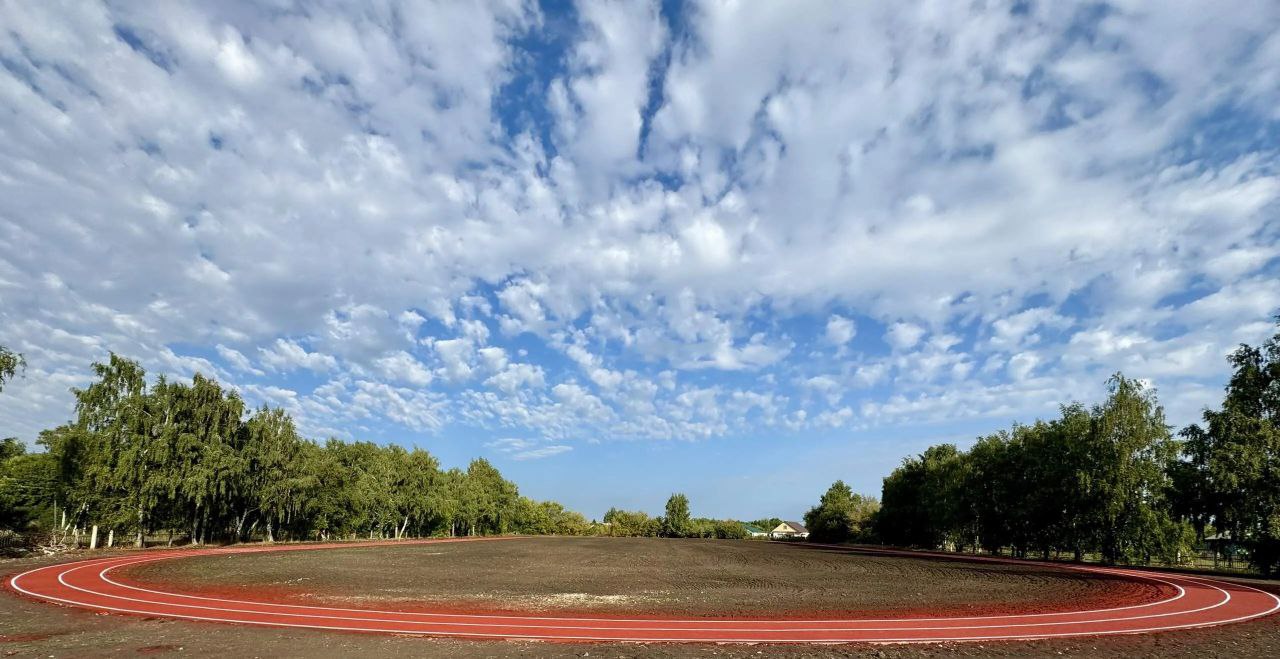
644	576
1185	602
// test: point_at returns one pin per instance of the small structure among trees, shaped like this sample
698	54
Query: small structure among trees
789	531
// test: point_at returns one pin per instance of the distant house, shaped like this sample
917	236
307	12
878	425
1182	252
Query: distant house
754	531
789	531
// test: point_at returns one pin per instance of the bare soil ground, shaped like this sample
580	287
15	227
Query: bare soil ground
649	576
678	577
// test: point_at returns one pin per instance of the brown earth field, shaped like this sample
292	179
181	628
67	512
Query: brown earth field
601	576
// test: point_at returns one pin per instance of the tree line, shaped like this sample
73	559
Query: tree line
188	461
676	523
1111	480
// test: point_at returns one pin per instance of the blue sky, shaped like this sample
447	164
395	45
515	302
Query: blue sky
622	249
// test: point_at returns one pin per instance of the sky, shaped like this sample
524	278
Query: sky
623	249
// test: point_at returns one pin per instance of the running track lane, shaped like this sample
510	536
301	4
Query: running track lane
1190	602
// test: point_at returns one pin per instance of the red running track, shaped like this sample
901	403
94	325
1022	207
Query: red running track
1189	602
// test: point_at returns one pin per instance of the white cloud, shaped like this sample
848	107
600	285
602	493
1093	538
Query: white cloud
515	377
316	191
287	355
495	358
1017	330
826	386
903	335
1021	365
524	449
402	367
455	354
542	452
580	402
236	360
840	330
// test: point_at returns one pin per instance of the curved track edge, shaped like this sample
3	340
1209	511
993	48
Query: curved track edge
1193	602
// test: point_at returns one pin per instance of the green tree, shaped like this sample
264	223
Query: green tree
675	524
11	363
728	529
418	491
28	483
181	457
451	485
11	447
1230	472
274	474
1125	482
841	515
121	464
488	500
922	501
626	523
199	430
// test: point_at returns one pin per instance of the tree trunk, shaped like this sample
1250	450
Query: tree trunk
240	526
111	538
269	537
93	537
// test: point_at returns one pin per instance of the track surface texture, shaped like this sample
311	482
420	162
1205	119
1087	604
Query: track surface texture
1185	602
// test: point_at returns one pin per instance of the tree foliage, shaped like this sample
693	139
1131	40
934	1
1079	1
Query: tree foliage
841	516
11	363
187	461
1230	473
631	523
1094	480
676	523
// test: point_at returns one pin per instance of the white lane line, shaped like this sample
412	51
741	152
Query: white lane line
1181	592
75	568
14	582
680	640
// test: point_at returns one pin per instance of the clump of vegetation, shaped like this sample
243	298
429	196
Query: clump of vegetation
1111	480
842	516
11	364
677	523
187	461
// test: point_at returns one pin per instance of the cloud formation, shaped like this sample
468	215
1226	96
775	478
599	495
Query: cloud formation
638	222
